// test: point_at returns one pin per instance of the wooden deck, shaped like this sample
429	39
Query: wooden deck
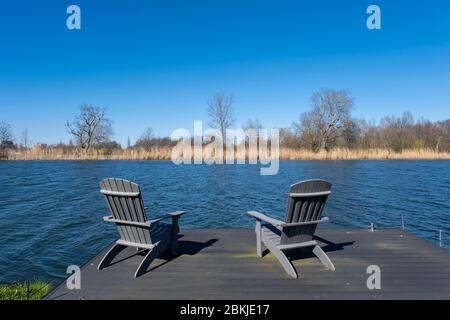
222	264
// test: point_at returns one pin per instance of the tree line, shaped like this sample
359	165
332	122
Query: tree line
326	125
329	124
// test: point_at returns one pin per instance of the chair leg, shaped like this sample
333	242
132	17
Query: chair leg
323	258
174	247
286	264
110	255
149	257
174	240
258	238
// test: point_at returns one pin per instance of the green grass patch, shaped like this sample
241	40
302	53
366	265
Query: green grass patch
32	290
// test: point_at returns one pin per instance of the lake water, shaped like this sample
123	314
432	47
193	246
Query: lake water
51	211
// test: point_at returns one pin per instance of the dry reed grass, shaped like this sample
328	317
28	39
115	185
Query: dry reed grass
164	153
369	154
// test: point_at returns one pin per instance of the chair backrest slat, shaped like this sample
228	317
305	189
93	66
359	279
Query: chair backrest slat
136	208
305	203
125	202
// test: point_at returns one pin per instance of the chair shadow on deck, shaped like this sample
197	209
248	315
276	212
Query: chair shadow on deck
185	247
305	253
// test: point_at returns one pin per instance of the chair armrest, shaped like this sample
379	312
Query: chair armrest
175	214
160	218
147	223
296	224
128	223
261	216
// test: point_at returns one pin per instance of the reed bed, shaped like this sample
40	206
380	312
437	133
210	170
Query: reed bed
165	153
361	154
79	154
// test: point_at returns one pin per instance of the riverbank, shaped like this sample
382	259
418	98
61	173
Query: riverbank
34	290
165	153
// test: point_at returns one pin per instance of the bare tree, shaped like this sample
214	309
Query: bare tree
443	139
289	139
90	127
254	136
350	133
252	124
398	132
146	139
221	113
330	111
24	138
307	131
6	134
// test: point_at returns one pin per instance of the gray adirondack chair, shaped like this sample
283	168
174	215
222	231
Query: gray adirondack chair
303	213
125	202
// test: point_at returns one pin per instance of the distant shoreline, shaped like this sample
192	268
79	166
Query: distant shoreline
164	153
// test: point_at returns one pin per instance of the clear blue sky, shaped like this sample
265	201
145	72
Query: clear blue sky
156	63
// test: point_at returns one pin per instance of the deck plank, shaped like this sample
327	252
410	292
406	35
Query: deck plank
222	264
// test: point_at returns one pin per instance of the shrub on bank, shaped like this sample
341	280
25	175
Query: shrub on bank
34	290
